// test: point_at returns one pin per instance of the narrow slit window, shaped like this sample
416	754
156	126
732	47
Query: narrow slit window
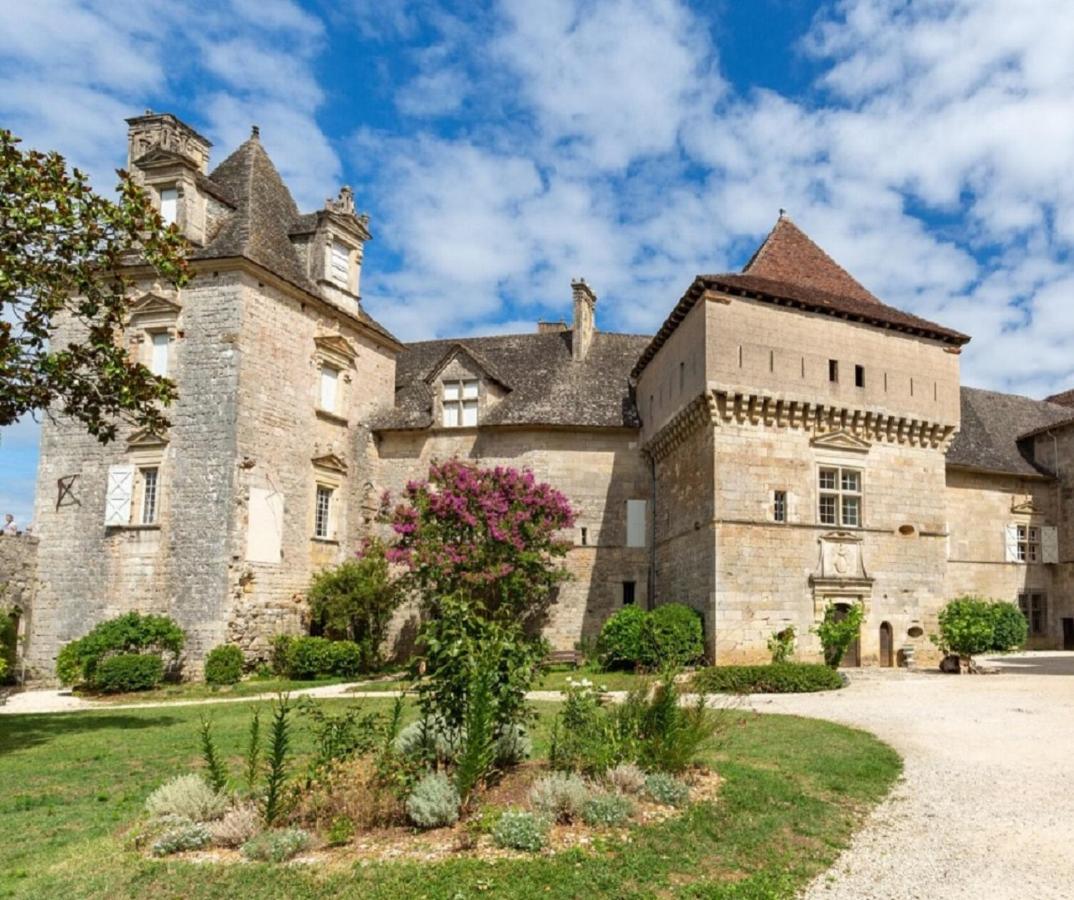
682	377
885	382
740	356
803	367
585	537
833	370
911	386
859	376
779	506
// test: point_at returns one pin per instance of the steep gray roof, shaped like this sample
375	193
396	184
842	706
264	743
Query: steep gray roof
265	214
546	386
992	424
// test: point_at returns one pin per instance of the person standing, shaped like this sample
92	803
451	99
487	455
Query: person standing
9	529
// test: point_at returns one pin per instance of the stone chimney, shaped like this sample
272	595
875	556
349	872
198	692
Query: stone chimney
585	318
544	327
163	130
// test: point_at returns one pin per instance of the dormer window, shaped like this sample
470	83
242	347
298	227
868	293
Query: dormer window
169	205
460	403
340	264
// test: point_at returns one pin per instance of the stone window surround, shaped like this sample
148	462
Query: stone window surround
145	456
840	493
1034	606
330	238
460	384
334	352
330	474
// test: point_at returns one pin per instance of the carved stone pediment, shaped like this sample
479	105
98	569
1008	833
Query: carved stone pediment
337	347
146	438
840	440
331	462
153	306
1026	506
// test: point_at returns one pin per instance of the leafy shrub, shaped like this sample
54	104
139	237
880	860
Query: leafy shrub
239	825
672	635
428	738
967	627
669	737
341	735
513	745
278	756
349	789
128	672
781	645
214	766
838	630
341	831
355	600
619	645
348	659
224	664
187	796
1009	627
129	633
189	836
276	846
627	778
559	797
607	810
517	829
434	802
309	657
477	754
585	737
281	649
666	789
777	678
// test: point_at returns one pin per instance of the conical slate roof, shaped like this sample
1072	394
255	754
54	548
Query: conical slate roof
788	254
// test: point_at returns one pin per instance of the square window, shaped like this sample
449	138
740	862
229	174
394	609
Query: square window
840	500
828	479
851	480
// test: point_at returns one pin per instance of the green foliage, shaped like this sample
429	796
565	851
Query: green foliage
252	756
478	750
64	251
672	635
517	829
356	600
276	846
619	645
341	831
187	797
9	639
838	631
127	672
559	797
339	736
781	645
187	836
607	810
213	764
1009	627
777	678
666	789
224	664
513	745
434	802
310	657
129	633
669	736
967	627
279	753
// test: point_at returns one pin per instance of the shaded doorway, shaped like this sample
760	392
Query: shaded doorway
852	657
887	645
1068	634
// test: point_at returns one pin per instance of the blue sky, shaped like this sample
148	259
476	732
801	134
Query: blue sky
503	147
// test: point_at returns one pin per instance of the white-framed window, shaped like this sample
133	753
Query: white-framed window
840	497
169	205
322	513
329	388
340	264
1034	606
158	353
779	506
460	403
1028	543
150	478
635	523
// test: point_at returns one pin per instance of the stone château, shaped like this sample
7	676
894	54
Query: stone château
785	440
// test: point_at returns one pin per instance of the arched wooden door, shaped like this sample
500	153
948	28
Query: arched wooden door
852	658
887	645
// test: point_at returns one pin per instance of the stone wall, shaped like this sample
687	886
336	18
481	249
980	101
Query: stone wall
18	573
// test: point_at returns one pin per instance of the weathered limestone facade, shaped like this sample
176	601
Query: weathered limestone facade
785	441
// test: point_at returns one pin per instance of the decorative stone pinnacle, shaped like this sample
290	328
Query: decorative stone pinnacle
343	204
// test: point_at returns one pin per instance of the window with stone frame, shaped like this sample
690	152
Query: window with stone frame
460	401
149	487
323	511
1028	543
840	497
169	205
1034	606
339	269
779	506
159	343
328	398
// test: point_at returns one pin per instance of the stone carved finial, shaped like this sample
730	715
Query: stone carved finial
343	204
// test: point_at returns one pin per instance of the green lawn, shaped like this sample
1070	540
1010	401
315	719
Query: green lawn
794	791
555	679
199	690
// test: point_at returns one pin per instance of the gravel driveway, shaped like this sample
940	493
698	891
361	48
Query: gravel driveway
986	805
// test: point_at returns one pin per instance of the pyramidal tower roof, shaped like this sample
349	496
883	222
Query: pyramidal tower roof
789	255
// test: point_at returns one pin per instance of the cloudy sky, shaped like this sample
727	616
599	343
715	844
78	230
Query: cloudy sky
503	147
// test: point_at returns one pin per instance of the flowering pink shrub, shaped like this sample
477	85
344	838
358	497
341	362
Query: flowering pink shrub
486	534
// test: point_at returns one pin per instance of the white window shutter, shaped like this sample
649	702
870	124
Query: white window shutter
1049	541
635	523
117	498
169	205
1010	537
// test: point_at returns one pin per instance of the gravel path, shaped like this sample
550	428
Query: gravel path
985	809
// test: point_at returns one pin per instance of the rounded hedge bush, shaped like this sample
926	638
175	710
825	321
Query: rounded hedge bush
619	645
224	664
128	672
1009	627
309	657
672	635
131	633
776	678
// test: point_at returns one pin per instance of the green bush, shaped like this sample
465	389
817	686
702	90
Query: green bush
776	678
1009	627
434	802
672	635
276	846
127	634
607	810
348	659
223	665
619	645
187	836
310	657
838	630
186	797
781	645
559	797
128	672
666	789
517	829
967	627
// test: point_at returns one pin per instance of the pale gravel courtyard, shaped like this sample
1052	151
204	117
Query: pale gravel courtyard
985	808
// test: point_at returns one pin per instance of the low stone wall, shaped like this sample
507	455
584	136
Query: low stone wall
18	569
